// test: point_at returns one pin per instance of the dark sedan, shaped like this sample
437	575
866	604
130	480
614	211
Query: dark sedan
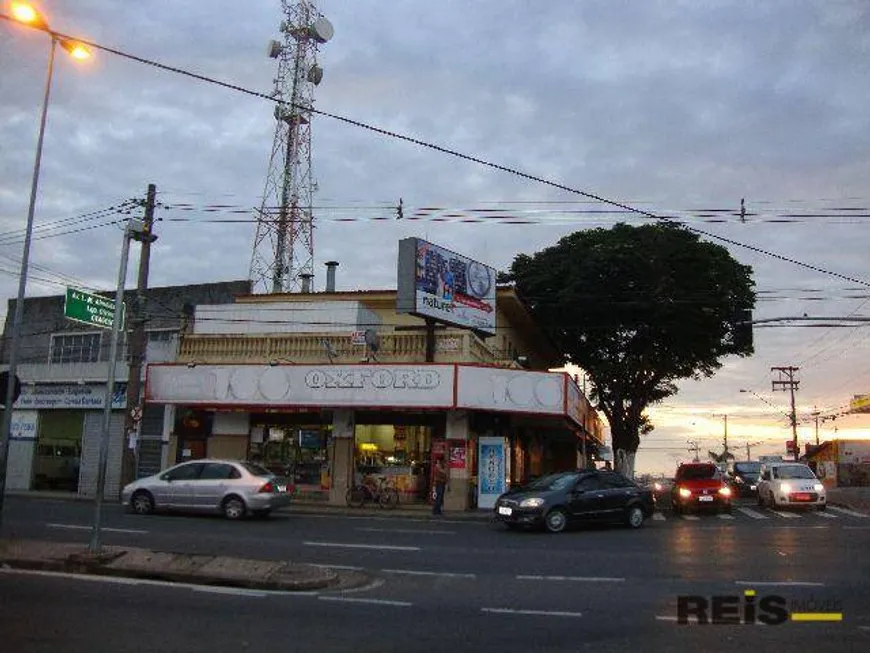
556	500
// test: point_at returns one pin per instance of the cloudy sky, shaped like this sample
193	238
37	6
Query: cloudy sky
678	108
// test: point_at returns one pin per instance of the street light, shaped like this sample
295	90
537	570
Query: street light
27	14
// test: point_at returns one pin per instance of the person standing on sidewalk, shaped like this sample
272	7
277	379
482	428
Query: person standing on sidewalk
439	478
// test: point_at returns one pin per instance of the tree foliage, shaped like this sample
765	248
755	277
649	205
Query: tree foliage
638	308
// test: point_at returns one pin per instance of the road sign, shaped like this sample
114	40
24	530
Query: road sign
136	413
93	310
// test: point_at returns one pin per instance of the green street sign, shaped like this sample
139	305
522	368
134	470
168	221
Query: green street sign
93	310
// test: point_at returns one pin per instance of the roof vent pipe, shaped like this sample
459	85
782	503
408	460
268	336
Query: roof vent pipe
330	275
306	282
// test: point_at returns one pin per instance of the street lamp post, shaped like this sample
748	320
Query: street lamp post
26	14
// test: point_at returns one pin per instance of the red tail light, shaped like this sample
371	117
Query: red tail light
268	488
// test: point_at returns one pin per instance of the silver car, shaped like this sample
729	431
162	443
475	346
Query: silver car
234	489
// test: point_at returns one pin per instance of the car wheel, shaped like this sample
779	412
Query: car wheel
556	520
234	508
142	503
634	517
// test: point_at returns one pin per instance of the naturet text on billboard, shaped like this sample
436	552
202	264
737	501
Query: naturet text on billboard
436	283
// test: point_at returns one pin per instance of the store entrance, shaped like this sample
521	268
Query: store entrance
57	462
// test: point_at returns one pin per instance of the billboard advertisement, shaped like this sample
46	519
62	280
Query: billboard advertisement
436	283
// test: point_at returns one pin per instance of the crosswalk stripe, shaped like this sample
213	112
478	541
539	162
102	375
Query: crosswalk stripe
691	517
752	513
657	516
846	511
827	515
725	516
787	515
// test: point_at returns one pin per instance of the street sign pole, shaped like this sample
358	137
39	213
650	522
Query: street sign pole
94	545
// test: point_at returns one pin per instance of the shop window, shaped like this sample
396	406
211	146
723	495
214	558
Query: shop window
75	348
398	453
295	452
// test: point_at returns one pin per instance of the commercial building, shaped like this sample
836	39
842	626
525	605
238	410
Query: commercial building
58	419
840	463
331	388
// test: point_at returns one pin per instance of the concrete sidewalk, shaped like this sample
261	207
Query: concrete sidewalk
856	498
133	562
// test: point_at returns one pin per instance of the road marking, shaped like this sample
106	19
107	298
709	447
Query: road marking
379	547
342	567
787	515
691	517
581	579
826	515
537	613
749	512
851	513
774	583
856	528
351	599
657	516
660	617
235	591
411	531
724	515
443	574
79	527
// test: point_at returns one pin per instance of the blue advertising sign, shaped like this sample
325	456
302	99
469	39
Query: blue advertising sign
491	471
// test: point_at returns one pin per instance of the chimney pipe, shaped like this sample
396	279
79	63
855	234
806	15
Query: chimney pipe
330	275
306	281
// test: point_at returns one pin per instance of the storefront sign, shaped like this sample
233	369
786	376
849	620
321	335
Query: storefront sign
86	397
491	388
457	454
574	405
24	425
491	471
364	386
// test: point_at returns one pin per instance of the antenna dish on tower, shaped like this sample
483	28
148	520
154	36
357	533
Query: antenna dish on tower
315	74
322	30
273	49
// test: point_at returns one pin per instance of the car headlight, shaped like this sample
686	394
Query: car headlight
685	492
535	502
657	486
725	491
818	487
785	487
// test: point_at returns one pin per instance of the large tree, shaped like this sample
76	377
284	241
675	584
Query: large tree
638	308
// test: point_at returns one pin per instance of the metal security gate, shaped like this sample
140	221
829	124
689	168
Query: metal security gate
150	450
93	432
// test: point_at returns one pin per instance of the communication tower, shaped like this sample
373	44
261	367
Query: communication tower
283	253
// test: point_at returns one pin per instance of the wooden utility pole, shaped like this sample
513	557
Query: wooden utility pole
137	346
787	381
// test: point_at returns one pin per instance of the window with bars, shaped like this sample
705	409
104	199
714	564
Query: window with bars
75	347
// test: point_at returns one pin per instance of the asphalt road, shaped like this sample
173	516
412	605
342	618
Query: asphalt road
450	584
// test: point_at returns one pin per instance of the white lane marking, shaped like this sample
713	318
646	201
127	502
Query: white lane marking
407	531
441	520
826	515
536	613
787	515
657	516
351	599
414	572
234	591
343	567
724	515
856	528
79	527
749	512
120	580
774	583
660	617
581	579
851	513
691	517
379	547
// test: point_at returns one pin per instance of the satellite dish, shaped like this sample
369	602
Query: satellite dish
274	49
322	30
373	342
315	74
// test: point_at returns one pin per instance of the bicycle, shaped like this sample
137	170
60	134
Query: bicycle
383	493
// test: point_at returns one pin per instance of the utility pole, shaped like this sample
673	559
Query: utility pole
748	445
815	415
137	345
787	381
694	448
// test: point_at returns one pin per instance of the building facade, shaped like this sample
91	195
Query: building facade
334	388
840	463
57	422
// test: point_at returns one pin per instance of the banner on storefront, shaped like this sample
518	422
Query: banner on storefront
69	396
458	456
494	388
492	471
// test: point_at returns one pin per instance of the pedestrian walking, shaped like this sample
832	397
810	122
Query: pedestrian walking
439	478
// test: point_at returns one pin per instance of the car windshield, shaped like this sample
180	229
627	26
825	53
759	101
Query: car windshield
793	471
750	469
697	473
257	470
552	482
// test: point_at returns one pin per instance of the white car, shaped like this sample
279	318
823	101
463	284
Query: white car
784	484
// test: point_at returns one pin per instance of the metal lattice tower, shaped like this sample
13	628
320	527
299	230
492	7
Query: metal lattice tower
283	253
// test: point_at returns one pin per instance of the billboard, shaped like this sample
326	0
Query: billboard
436	283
